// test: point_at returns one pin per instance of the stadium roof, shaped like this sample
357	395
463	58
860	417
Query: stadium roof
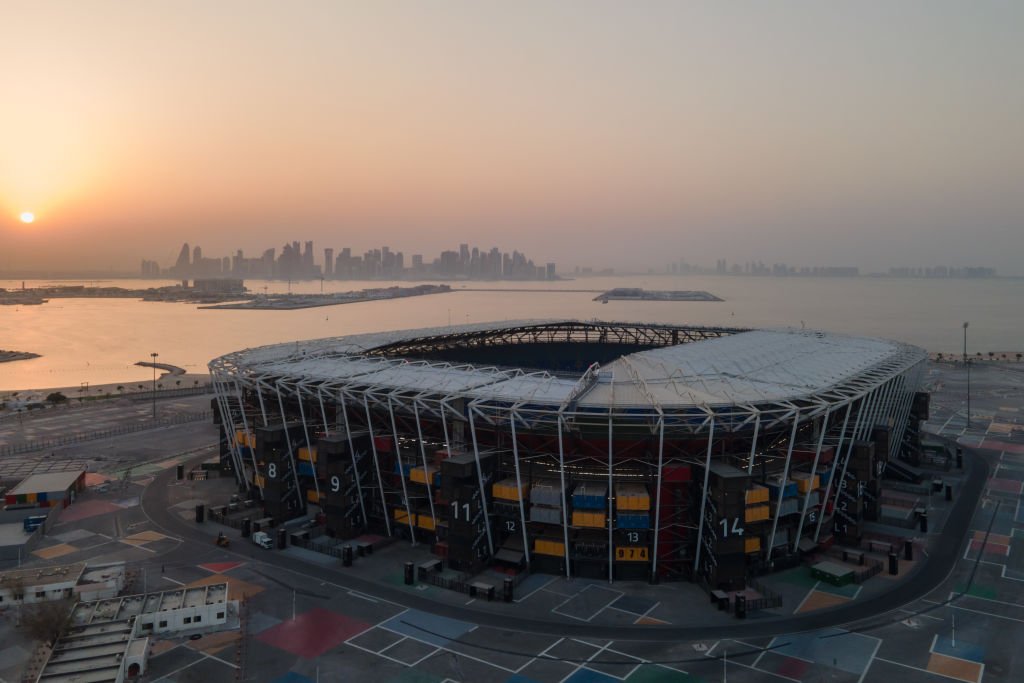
736	367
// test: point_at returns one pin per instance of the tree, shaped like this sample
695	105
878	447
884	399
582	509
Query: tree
45	620
178	383
991	355
120	389
141	387
939	357
56	397
1018	357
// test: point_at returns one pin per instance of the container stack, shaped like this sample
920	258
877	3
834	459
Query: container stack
547	526
463	523
340	489
724	548
589	502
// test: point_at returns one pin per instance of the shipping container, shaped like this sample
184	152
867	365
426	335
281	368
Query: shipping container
632	497
756	494
593	520
756	513
543	546
634	520
506	489
590	496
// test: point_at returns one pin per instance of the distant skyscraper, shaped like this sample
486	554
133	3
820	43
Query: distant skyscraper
197	254
183	261
328	262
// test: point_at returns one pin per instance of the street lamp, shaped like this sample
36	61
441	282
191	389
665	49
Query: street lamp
967	364
154	355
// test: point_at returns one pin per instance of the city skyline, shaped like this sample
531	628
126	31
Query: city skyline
597	134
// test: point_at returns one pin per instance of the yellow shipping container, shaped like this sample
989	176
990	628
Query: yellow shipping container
506	489
752	544
259	481
632	497
402	516
308	454
545	547
757	494
425	522
244	438
421	475
806	482
312	496
593	520
756	513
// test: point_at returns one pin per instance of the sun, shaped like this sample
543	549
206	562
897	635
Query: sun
27	217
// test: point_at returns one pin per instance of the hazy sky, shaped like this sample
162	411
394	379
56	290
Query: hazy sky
591	133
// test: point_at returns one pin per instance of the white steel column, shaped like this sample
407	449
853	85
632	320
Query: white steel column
323	412
704	497
782	485
376	466
401	471
866	405
657	496
309	444
355	465
423	454
565	511
263	408
480	480
753	443
814	471
252	434
836	456
288	440
519	485
611	549
229	427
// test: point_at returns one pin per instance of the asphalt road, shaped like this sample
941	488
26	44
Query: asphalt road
944	553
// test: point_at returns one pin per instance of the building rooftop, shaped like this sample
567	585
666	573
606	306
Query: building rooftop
44	483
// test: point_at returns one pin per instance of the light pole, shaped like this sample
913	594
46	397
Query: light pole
154	355
967	364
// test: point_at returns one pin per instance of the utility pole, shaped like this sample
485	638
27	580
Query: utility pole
154	355
967	364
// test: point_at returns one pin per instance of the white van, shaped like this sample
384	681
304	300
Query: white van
263	540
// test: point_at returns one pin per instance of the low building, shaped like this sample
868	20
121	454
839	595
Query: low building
108	640
75	581
53	489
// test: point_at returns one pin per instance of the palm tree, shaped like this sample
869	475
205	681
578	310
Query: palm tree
178	383
991	355
939	357
1018	357
120	389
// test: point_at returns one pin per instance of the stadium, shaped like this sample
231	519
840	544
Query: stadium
583	448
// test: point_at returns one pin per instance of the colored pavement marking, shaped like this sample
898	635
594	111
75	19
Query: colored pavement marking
1006	485
997	549
791	667
962	650
429	628
650	621
86	509
95	478
519	678
954	667
995	445
55	551
292	677
147	536
411	675
220	567
999	539
821	600
237	589
162	646
590	676
312	633
851	652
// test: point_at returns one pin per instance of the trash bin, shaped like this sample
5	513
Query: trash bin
508	589
894	564
410	576
200	514
346	556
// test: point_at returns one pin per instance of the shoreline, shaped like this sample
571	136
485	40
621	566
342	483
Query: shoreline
12	356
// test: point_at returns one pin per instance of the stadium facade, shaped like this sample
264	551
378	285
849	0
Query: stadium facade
599	449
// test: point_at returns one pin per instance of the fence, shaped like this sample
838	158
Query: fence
30	446
770	599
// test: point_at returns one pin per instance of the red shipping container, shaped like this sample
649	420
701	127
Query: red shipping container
383	444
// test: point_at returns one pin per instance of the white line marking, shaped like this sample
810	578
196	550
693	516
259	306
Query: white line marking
917	668
872	659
